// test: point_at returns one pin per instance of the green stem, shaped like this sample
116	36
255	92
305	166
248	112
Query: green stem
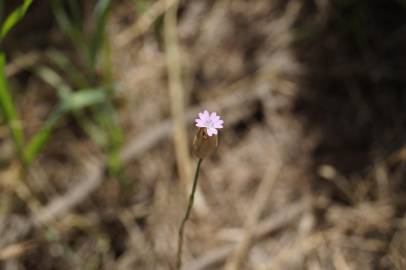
186	217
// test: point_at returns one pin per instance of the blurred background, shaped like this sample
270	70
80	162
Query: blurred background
98	100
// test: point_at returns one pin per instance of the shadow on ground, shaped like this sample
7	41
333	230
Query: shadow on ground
353	90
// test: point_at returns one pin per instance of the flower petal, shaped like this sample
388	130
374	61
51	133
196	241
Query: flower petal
211	131
200	123
220	122
210	121
214	117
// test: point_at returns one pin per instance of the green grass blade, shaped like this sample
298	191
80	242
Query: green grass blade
68	27
37	142
106	118
74	9
9	110
141	5
14	18
53	79
78	100
101	12
64	63
83	98
71	102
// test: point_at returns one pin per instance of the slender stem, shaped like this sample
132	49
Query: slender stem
186	217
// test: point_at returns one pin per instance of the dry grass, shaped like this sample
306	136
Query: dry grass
293	94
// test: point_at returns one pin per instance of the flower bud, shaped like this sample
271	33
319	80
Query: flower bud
203	144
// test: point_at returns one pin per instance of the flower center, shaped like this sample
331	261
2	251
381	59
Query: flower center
209	124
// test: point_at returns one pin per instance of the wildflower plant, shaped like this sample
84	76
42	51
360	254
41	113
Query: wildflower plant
204	143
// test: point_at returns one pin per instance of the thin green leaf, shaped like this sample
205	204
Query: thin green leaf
105	116
9	110
64	63
68	26
37	142
101	12
71	102
83	98
14	18
54	80
141	5
116	139
74	9
95	132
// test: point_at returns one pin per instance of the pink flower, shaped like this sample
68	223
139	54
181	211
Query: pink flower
211	122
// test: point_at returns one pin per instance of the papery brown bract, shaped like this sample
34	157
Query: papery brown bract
203	144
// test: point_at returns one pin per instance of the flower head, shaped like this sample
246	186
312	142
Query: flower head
211	122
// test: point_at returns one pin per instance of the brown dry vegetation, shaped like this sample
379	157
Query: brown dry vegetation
310	169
